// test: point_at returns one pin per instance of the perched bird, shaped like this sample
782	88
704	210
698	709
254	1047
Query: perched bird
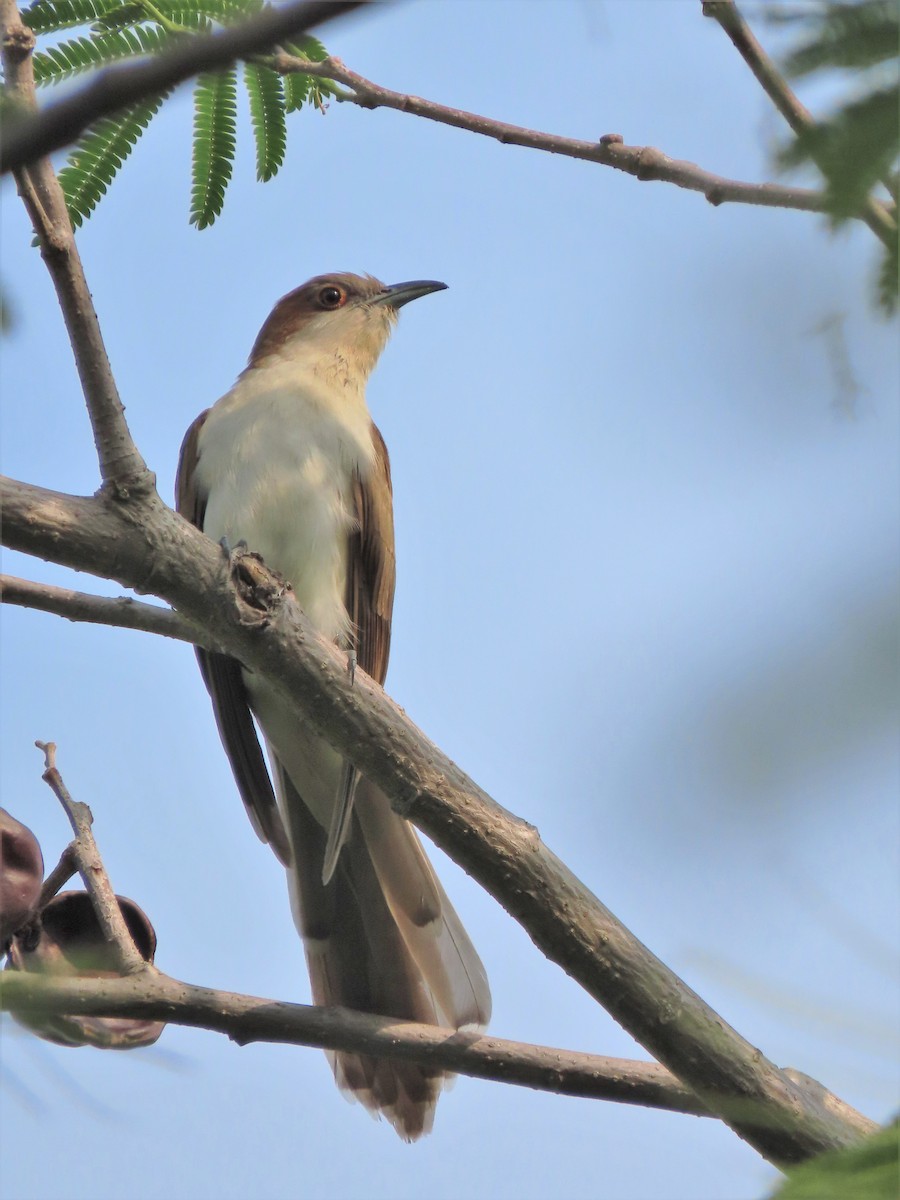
290	462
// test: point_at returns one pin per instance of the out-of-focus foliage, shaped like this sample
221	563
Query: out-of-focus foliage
857	146
869	1171
124	29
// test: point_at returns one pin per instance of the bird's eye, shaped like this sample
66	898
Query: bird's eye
331	297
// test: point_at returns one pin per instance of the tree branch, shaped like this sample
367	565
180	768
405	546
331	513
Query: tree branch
91	869
111	89
247	1019
124	612
645	163
267	631
773	83
121	466
58	877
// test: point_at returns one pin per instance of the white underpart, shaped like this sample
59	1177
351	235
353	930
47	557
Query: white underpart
276	459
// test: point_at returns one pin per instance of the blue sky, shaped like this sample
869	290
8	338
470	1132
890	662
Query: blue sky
647	597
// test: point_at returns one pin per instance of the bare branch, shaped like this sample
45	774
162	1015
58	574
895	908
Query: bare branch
61	123
247	1019
270	634
124	612
645	163
91	869
59	876
121	466
773	83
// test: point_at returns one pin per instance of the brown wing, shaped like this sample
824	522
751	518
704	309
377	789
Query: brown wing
225	684
371	570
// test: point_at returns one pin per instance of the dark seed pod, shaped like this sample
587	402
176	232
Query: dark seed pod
21	875
70	942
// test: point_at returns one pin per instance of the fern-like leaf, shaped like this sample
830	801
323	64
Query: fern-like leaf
101	152
121	17
302	89
215	117
296	91
198	15
81	54
853	149
266	95
127	29
50	16
223	12
125	16
847	35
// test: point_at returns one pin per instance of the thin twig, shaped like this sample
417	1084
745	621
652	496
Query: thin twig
645	163
91	869
59	876
773	83
248	1019
59	124
124	612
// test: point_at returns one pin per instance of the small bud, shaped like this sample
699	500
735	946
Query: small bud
71	943
21	875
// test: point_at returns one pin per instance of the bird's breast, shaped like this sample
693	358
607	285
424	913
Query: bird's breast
276	462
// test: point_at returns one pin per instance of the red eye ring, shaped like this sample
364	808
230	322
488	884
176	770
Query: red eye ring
332	297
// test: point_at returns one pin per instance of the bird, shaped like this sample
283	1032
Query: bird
290	463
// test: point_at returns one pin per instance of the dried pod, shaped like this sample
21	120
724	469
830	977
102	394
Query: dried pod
69	941
21	875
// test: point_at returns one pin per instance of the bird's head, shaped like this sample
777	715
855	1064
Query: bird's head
336	321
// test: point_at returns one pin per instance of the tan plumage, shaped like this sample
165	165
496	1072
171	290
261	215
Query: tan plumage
290	462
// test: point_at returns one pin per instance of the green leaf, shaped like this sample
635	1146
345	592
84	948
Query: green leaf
136	14
307	47
224	12
302	89
97	158
853	149
296	91
48	16
215	117
120	17
864	1172
266	95
81	54
847	35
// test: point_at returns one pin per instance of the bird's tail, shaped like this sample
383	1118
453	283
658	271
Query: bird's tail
382	937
